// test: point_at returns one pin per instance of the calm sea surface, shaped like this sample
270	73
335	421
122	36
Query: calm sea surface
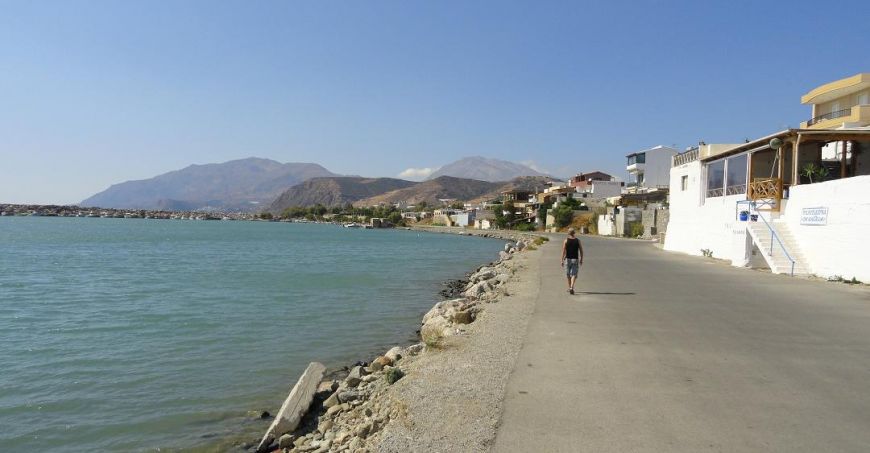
146	335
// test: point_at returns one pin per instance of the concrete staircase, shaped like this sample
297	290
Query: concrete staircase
778	261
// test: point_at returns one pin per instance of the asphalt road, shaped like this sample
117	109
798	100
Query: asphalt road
662	352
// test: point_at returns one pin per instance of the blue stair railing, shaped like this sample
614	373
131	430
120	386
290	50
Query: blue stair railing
774	238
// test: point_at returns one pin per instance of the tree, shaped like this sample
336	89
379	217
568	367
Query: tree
458	205
266	216
511	215
395	218
563	215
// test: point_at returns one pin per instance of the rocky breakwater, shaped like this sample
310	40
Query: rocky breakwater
350	414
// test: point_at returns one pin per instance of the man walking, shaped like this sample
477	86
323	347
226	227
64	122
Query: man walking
572	251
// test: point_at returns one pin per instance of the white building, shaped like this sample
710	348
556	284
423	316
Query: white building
806	222
649	169
596	185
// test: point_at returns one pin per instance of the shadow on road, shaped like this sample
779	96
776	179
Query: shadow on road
606	294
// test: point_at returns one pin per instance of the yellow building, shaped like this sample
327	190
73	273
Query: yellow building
842	104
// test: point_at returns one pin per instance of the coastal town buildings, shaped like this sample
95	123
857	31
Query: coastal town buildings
649	169
794	201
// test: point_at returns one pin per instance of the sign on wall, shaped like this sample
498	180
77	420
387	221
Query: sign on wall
814	216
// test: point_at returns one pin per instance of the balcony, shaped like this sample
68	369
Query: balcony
635	167
859	114
761	188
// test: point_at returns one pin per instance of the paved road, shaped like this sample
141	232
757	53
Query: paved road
661	352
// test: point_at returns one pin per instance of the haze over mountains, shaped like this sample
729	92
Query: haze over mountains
485	169
255	184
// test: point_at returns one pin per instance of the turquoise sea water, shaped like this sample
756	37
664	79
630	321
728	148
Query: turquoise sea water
147	335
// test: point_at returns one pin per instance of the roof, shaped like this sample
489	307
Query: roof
764	142
837	88
485	215
654	148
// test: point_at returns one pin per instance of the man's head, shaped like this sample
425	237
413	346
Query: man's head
571	232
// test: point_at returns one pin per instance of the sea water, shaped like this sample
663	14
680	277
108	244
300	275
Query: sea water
161	335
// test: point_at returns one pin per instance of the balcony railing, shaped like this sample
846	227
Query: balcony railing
684	158
712	193
765	188
738	189
830	116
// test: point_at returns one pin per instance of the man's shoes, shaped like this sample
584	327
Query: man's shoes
571	290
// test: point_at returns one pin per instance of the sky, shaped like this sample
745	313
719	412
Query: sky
94	93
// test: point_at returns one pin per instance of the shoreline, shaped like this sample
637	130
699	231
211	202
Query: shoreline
355	408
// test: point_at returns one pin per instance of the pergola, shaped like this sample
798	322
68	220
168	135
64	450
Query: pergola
775	161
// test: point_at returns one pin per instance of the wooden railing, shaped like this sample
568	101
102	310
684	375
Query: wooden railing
765	188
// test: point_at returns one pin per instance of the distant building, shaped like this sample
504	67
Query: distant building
484	220
463	219
596	185
649	169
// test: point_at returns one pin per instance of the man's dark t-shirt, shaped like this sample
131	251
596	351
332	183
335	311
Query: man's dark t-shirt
572	248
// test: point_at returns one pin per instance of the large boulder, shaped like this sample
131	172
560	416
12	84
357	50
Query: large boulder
295	406
463	317
394	354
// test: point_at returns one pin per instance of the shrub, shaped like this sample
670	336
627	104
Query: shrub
392	375
431	339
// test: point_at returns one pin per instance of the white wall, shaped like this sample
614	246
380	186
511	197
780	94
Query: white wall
841	247
606	189
697	223
658	165
606	225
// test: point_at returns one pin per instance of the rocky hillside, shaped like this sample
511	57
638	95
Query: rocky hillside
335	191
245	184
485	169
433	190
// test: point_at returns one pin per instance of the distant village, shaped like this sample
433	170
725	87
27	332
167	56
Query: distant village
793	201
76	211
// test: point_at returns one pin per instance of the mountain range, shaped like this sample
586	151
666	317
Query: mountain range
255	184
244	184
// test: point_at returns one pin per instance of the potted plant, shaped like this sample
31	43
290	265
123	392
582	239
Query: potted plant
811	170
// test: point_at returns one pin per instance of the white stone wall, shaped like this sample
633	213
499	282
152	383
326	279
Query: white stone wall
841	247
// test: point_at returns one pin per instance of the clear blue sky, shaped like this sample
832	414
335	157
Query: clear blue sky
94	93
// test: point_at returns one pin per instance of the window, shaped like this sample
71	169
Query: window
736	178
637	159
716	178
684	183
864	98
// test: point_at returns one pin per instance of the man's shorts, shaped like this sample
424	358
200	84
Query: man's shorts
572	267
